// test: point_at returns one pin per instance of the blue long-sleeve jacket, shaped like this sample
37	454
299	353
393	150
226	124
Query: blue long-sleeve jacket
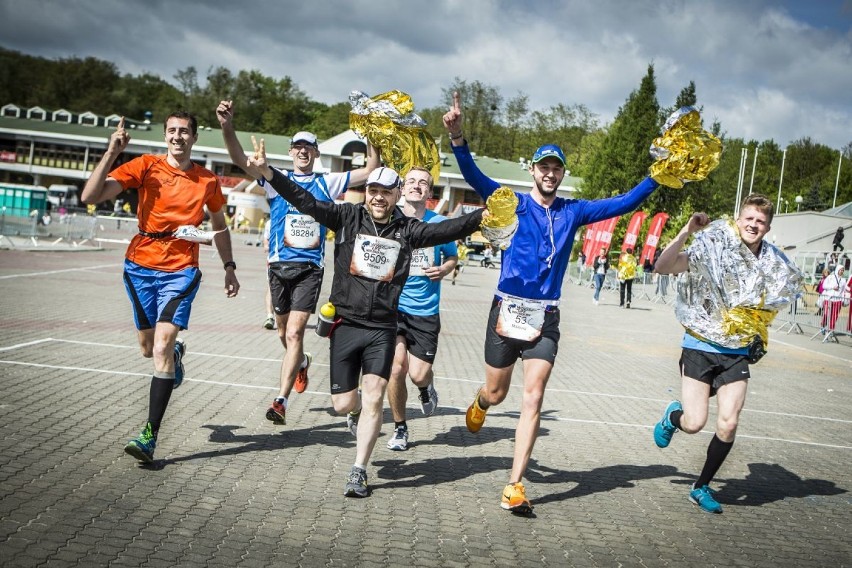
534	264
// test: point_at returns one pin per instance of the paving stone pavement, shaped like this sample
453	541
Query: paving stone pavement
231	489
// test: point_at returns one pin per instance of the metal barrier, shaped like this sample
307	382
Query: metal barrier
33	229
828	322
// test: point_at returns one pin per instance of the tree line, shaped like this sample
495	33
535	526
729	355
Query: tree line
610	158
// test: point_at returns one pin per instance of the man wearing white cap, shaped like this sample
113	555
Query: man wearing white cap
296	250
374	243
530	283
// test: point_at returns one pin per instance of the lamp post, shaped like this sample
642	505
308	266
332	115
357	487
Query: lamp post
781	180
786	205
799	200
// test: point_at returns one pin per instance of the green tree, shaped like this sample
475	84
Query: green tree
623	159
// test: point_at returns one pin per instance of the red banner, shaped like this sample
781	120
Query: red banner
604	236
632	234
653	238
589	241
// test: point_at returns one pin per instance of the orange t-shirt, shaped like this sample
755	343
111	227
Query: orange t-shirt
168	198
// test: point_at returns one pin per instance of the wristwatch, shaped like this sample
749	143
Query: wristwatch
230	264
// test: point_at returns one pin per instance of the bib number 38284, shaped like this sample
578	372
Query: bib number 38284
301	232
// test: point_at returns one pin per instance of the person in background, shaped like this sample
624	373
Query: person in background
463	252
626	275
601	266
837	242
161	273
833	287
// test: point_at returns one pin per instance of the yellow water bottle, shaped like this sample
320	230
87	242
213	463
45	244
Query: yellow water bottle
325	321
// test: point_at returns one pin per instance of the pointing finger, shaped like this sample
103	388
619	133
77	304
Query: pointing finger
456	101
120	124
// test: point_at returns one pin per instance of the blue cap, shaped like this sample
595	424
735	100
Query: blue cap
548	151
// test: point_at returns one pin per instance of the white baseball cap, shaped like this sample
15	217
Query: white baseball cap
304	136
384	177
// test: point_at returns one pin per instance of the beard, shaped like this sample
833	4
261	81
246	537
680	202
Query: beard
545	191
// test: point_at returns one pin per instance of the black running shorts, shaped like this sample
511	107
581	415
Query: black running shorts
420	333
294	286
714	369
355	350
501	352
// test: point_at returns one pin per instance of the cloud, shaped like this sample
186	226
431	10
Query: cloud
767	69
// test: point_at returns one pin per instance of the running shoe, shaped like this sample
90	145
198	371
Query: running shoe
705	498
269	323
302	376
352	422
475	416
429	400
399	440
142	447
180	349
664	429
277	413
515	499
356	483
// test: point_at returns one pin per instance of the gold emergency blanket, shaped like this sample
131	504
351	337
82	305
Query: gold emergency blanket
728	296
389	122
685	152
500	224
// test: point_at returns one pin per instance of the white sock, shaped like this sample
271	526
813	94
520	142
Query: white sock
304	362
361	467
282	400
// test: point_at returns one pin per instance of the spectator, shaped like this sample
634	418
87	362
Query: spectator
601	267
833	288
837	243
626	275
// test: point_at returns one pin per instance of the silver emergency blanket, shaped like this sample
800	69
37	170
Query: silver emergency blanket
729	296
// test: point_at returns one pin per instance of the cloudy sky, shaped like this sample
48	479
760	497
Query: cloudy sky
766	69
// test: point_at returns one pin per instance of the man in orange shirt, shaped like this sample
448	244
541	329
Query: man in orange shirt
161	272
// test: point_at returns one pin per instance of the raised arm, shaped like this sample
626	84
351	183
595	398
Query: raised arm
359	176
453	121
225	114
431	234
99	187
672	260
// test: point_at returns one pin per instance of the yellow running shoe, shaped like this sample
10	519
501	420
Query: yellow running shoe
515	499
475	416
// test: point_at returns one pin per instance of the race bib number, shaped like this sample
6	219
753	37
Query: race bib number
374	258
521	318
421	259
301	232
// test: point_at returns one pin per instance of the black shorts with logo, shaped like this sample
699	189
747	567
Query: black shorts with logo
356	349
500	352
714	369
294	286
420	333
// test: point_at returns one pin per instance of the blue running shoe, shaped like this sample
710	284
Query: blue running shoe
180	349
142	447
705	498
664	429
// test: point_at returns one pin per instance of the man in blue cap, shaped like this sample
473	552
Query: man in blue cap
529	289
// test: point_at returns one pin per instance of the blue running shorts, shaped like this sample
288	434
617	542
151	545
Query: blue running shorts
160	296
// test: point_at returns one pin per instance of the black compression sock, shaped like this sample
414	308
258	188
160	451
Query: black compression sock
717	451
161	392
674	418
